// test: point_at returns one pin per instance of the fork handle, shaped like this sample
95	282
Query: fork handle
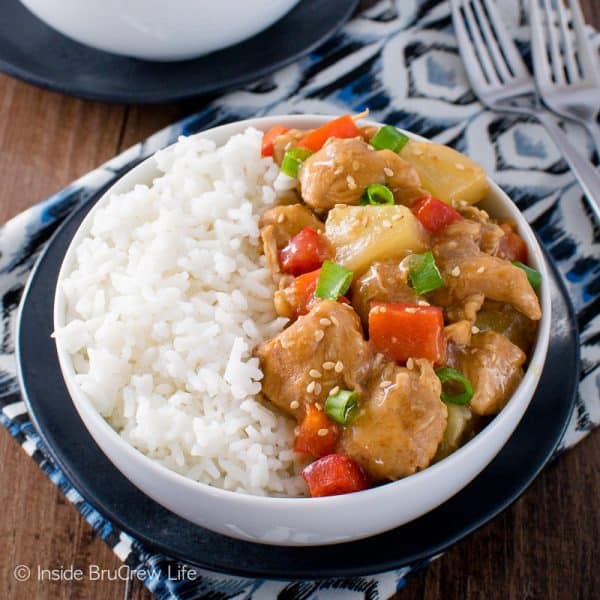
594	130
587	175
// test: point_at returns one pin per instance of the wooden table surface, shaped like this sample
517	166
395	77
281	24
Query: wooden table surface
545	546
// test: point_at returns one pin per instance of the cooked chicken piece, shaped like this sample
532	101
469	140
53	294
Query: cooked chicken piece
339	173
470	274
368	132
488	234
457	310
401	177
281	223
291	297
268	235
400	423
343	168
493	364
384	281
320	351
285	141
288	221
459	332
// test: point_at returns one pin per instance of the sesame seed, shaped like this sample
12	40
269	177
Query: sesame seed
452	244
310	388
386	223
335	321
338	171
314	373
296	430
417	152
385	383
411	310
328	365
334	390
397	218
318	406
388	171
339	366
319	335
325	322
481	269
463	203
323	432
455	272
280	218
460	166
475	329
351	182
317	389
382	309
294	404
423	303
339	206
410	363
355	165
283	343
394	339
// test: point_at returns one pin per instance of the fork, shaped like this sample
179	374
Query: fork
502	82
568	76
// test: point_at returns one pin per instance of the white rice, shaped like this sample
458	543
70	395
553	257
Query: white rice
167	298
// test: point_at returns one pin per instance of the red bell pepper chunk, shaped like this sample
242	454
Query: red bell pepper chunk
305	252
342	127
269	138
511	246
302	292
334	474
403	331
301	296
309	440
434	214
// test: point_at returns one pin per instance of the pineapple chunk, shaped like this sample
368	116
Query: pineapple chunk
363	234
445	173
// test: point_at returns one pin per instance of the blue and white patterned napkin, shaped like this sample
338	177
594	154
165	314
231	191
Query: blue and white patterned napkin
400	60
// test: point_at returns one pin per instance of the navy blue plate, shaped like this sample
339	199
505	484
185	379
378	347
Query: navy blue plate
33	51
101	484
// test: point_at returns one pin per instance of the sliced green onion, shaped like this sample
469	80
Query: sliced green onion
535	277
377	194
342	406
292	160
334	281
389	138
446	374
424	273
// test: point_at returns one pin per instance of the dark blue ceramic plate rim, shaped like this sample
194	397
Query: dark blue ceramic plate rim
102	485
67	66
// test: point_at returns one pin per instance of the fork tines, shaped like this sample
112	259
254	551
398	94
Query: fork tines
482	35
561	47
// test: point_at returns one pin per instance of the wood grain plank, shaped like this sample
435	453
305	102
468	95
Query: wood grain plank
47	140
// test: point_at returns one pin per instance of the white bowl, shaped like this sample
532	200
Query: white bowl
308	521
159	29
